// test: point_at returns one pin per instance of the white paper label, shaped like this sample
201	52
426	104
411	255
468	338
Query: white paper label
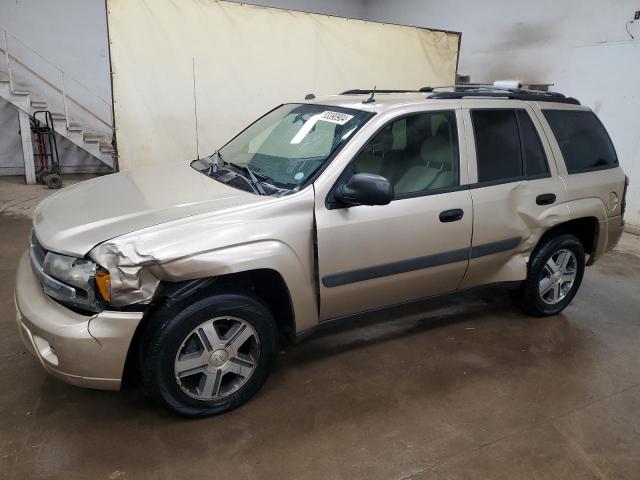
335	117
338	118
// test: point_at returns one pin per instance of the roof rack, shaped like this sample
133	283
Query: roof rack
479	90
358	91
462	91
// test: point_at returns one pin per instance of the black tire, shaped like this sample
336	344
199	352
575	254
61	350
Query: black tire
53	181
528	295
169	327
42	176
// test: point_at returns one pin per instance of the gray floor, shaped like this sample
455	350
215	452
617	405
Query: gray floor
463	387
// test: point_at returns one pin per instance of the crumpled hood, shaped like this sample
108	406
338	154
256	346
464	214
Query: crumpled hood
75	219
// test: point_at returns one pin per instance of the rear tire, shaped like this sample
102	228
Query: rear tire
208	355
555	272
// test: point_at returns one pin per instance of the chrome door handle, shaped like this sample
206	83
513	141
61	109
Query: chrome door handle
451	215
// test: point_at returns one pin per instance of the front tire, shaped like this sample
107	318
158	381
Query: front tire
210	355
555	272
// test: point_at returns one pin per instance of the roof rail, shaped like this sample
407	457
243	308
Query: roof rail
357	91
462	91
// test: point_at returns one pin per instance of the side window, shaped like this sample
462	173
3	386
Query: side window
535	160
498	150
415	153
584	142
507	145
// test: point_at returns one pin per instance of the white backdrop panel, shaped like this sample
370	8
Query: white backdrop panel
248	59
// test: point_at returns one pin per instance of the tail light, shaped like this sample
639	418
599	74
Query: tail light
624	195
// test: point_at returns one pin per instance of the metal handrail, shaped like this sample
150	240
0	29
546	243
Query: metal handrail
63	90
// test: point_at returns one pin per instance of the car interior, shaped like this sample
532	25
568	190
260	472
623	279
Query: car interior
415	153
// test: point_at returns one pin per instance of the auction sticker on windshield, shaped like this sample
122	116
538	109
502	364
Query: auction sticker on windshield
335	117
338	118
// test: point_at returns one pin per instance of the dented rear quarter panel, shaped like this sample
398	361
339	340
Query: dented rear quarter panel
509	210
596	194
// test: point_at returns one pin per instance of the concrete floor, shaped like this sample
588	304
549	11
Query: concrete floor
16	198
462	387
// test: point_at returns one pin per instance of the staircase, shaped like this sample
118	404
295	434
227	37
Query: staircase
28	90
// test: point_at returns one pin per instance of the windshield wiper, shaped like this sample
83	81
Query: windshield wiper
214	166
255	183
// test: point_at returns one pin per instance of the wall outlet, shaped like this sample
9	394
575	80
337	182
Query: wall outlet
636	16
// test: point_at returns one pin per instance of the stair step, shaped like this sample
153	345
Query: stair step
97	144
92	137
106	147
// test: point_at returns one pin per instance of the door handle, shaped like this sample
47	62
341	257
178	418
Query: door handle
451	215
546	199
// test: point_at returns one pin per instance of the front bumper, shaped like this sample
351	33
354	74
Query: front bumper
84	350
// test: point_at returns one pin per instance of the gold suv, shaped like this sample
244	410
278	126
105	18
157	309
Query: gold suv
197	273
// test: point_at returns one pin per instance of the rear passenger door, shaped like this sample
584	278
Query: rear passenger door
515	189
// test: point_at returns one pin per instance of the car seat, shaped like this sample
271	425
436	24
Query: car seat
436	168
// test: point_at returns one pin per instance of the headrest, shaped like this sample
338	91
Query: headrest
436	150
442	130
420	123
382	141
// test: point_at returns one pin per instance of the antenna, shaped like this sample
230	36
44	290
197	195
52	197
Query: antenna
195	103
371	99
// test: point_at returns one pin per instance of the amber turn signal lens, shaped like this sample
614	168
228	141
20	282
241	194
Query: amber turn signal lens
103	282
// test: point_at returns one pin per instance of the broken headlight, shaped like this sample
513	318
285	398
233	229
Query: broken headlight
71	270
70	280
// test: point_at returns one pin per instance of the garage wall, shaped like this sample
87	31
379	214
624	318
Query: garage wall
243	60
73	35
580	45
70	33
340	8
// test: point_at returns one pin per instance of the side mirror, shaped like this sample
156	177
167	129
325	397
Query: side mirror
365	189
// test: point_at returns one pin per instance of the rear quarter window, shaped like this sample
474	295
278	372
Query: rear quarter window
584	143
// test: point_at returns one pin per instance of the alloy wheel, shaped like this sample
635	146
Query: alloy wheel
558	276
217	358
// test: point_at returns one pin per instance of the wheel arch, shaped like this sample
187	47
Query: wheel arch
268	284
586	229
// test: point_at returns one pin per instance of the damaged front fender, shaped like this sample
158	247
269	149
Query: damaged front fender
132	280
276	235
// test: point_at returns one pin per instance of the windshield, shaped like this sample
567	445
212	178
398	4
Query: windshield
284	148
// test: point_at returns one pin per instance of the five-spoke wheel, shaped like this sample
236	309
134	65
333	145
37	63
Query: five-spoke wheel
208	354
216	358
554	274
557	277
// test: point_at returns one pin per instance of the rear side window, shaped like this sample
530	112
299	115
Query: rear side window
497	144
507	146
535	161
584	142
